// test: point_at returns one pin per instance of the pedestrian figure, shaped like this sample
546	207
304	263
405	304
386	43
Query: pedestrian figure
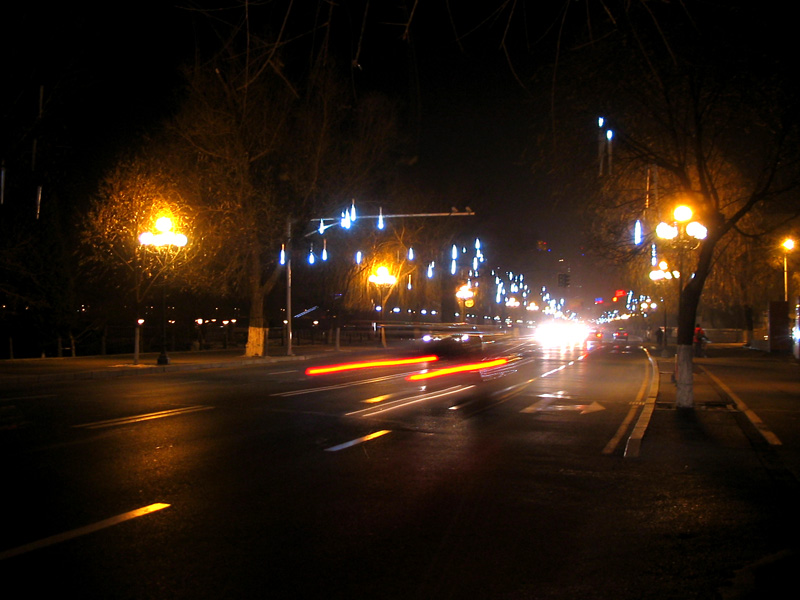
699	341
660	336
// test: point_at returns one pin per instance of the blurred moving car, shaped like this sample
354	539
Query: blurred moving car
452	345
621	336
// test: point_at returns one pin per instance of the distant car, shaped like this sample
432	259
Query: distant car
596	335
452	345
621	336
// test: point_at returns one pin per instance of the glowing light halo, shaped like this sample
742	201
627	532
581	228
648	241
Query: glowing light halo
382	276
165	236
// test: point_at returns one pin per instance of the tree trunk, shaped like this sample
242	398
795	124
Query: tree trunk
256	341
684	376
687	313
257	333
258	330
749	325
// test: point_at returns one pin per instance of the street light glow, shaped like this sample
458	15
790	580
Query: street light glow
788	245
382	276
666	231
696	230
165	236
693	229
682	213
464	292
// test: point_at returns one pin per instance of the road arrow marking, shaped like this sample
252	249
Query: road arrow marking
548	406
590	408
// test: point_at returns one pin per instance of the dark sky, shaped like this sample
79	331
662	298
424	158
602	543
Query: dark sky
110	72
475	124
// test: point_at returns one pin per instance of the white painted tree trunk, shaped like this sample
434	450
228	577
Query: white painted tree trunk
257	341
684	377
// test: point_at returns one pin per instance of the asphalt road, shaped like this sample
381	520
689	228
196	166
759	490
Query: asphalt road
262	481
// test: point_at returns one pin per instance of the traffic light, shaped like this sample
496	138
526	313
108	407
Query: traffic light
563	280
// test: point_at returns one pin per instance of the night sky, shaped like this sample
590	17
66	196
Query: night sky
111	72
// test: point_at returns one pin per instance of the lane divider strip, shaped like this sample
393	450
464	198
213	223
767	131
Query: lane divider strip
357	441
81	531
760	426
138	418
634	444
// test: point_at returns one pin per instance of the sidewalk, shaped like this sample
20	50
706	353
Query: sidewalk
722	434
729	380
736	361
31	370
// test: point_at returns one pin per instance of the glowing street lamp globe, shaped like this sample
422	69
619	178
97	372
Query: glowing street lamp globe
382	276
696	230
682	225
163	239
666	231
682	213
165	236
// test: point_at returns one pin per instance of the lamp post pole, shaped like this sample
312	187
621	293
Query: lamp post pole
165	238
384	281
163	359
289	288
660	276
136	337
788	245
785	280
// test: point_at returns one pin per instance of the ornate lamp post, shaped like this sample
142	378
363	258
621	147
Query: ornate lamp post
661	275
164	239
136	337
788	246
683	235
384	281
465	295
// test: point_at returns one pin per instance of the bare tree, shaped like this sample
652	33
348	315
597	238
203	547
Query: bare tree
716	115
270	139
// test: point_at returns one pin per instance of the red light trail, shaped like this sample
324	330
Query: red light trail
369	364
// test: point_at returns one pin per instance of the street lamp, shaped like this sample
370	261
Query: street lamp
384	281
683	234
136	337
164	238
465	295
683	231
661	275
788	246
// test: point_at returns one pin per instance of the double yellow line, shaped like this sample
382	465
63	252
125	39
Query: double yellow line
146	417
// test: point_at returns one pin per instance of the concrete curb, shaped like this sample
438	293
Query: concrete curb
130	370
